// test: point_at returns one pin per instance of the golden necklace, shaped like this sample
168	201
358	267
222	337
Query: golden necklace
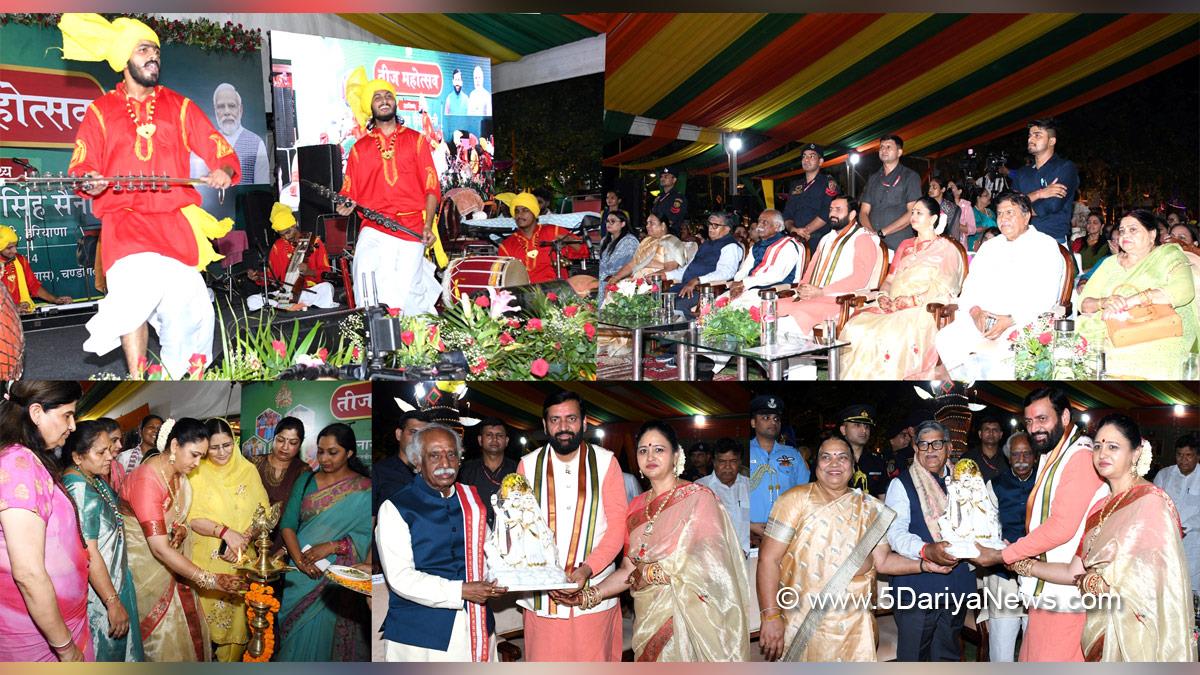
145	130
387	155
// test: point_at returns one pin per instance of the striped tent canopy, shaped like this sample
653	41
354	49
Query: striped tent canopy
500	37
943	82
1094	395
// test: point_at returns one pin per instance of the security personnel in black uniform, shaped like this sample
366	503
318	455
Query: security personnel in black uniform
670	206
810	199
858	422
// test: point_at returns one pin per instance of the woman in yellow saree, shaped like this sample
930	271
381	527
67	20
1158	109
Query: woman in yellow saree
227	490
1132	554
682	563
156	502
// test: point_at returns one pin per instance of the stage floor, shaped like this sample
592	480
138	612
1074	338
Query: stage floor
57	353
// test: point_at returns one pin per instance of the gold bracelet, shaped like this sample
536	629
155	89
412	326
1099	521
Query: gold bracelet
1023	567
773	617
110	598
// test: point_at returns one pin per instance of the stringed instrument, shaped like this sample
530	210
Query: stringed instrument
139	182
292	279
340	199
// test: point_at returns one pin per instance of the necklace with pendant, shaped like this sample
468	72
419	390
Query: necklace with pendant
144	130
650	520
387	154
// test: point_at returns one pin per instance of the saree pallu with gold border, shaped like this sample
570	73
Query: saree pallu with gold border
169	613
319	620
826	534
700	615
1138	551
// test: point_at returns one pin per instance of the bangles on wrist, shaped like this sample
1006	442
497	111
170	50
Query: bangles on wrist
64	646
205	580
221	533
110	598
654	574
1090	583
1023	567
591	597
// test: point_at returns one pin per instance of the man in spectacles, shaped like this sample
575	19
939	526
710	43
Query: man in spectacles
929	606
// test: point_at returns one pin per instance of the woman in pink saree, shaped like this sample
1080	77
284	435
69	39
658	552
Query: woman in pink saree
43	560
682	563
1131	551
893	340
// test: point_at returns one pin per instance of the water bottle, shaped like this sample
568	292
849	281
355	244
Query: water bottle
1062	350
704	305
768	327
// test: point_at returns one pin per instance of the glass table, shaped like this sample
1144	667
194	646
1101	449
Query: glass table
638	328
688	343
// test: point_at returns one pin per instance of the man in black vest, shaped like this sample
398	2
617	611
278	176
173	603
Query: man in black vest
929	607
807	211
670	206
717	259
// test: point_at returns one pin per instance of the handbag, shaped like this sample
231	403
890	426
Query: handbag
1144	323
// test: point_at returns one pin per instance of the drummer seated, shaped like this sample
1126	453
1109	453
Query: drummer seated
22	285
316	292
538	246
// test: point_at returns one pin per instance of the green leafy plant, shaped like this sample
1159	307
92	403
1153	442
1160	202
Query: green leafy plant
727	323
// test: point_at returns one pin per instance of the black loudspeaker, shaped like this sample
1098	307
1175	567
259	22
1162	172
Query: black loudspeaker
320	164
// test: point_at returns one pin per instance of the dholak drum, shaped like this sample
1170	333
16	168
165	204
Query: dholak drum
467	275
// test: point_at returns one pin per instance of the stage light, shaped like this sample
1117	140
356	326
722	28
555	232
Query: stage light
734	143
600	434
1013	423
1085	418
699	419
854	157
523	441
653	175
1180	409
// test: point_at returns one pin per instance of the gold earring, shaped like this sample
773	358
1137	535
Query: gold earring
171	459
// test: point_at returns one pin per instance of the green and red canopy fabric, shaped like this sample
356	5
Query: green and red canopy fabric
1094	395
943	82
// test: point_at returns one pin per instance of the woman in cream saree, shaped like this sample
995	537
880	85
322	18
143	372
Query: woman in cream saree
1131	552
683	565
660	251
893	340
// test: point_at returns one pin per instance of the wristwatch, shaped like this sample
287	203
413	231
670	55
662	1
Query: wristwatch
989	323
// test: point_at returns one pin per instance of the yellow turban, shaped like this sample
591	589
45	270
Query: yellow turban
90	37
8	236
360	91
506	198
527	200
282	217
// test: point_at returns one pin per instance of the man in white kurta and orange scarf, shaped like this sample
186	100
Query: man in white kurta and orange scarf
582	495
430	536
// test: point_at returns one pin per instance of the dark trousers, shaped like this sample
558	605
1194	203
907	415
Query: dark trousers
928	634
685	305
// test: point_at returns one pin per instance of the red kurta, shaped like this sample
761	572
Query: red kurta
137	221
537	252
397	186
10	279
317	261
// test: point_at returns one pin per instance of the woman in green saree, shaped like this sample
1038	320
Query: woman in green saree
1144	273
112	598
328	518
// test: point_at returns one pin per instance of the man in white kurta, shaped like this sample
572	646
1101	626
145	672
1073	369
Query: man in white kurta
775	258
430	537
1013	279
1182	483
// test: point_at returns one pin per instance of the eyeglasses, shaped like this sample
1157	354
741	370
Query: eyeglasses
936	445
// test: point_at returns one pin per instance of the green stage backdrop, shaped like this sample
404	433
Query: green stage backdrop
316	404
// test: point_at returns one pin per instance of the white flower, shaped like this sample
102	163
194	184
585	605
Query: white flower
164	432
308	361
501	302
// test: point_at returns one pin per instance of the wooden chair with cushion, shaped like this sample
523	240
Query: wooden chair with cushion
944	313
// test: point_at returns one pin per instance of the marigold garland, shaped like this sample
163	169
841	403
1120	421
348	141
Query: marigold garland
263	595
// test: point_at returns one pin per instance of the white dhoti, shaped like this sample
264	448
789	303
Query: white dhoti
396	270
1004	614
459	649
320	295
969	356
169	295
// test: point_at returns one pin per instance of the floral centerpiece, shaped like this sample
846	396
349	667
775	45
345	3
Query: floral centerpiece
731	324
1033	347
629	301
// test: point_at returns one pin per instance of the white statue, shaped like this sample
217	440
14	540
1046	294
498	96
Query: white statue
521	553
971	513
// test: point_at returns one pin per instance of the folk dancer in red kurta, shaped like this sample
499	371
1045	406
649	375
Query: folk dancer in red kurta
316	293
18	275
152	243
391	170
533	242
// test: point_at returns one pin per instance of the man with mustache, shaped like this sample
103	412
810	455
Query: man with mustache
775	467
1065	490
775	258
152	242
582	496
806	212
390	170
457	101
429	536
1012	486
